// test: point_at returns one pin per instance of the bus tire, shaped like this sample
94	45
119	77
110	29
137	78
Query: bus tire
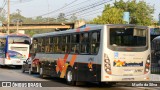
41	74
23	71
30	72
70	76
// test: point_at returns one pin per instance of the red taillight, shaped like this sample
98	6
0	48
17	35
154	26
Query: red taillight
7	56
29	55
147	65
107	64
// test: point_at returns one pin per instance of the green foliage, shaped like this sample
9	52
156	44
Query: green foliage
2	15
61	18
37	20
17	16
110	15
73	18
140	13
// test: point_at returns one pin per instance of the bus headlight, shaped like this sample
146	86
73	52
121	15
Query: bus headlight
147	69
148	61
106	60
107	70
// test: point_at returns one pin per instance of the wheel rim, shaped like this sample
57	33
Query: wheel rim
41	71
29	71
69	76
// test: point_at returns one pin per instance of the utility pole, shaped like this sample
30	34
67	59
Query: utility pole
8	18
17	26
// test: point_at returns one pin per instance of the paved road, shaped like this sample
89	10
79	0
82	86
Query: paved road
11	74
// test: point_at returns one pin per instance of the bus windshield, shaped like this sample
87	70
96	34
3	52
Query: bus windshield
18	39
128	37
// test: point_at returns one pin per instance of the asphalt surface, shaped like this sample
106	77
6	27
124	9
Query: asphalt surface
12	74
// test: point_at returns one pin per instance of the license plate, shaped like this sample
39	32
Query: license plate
128	71
127	79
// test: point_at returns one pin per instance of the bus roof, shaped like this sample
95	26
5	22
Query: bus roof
87	27
19	34
13	34
83	28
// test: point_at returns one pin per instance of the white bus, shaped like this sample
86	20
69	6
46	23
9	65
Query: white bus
97	53
14	49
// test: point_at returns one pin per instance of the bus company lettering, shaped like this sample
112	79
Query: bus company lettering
119	63
132	70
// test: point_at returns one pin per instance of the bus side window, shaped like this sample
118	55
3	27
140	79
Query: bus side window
75	43
47	46
2	45
34	46
51	40
95	42
84	43
26	42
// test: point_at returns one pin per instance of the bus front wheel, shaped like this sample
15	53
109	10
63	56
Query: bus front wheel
23	71
41	73
30	72
70	77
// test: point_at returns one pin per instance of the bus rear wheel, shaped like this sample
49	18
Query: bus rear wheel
70	77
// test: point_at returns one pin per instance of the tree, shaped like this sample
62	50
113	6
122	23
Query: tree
110	15
39	19
49	20
2	15
73	18
140	13
61	18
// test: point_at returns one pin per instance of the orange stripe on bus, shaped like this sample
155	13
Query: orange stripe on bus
57	69
63	73
87	29
60	64
78	30
65	57
73	60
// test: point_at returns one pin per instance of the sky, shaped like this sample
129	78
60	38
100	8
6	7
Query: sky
34	8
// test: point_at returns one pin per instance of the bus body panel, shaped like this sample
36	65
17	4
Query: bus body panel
88	67
14	53
81	63
125	65
126	73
